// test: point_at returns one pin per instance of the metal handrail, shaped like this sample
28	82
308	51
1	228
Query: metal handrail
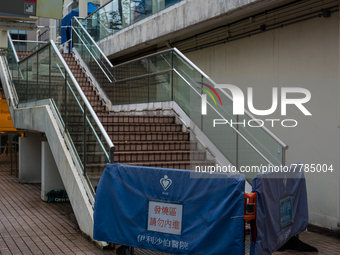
143	76
101	52
14	51
81	93
217	112
265	129
82	110
97	19
38	50
92	55
144	57
29	41
95	53
279	141
14	92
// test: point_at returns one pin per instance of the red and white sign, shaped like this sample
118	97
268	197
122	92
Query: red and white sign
165	217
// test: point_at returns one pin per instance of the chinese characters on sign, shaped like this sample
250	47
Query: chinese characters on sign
165	218
164	242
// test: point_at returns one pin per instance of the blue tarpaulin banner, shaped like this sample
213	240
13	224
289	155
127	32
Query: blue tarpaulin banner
281	208
166	210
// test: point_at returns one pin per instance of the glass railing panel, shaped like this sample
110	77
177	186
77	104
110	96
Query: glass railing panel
160	89
89	47
57	89
92	57
10	57
22	85
225	106
44	73
136	68
55	82
121	72
222	136
97	151
32	78
257	136
27	45
160	62
121	93
187	71
187	98
139	90
75	121
249	161
268	147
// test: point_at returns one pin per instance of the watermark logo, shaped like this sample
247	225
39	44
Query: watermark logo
238	99
204	97
288	96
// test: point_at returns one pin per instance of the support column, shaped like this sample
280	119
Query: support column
30	158
50	176
83	8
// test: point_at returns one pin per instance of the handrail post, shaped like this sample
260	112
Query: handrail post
149	69
237	147
112	151
283	156
172	75
84	139
49	72
37	76
65	106
26	80
201	103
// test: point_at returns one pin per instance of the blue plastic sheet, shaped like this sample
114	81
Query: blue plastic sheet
212	220
281	210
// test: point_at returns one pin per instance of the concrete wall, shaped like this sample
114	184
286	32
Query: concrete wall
30	157
179	19
301	55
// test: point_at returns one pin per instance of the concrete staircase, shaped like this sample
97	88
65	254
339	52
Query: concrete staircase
155	141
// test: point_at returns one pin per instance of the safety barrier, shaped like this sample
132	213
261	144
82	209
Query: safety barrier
281	208
166	210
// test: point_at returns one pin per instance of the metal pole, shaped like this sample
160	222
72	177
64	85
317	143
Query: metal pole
149	82
172	75
112	151
130	84
49	72
237	164
26	80
283	156
65	100
37	76
84	139
201	102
